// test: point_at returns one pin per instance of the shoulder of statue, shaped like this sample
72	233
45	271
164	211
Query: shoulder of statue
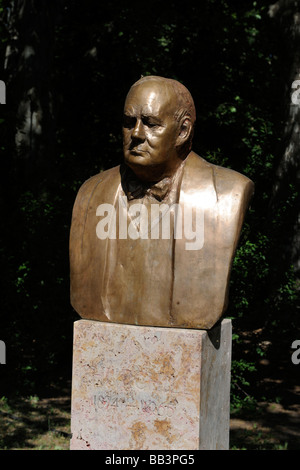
233	182
94	183
225	180
99	178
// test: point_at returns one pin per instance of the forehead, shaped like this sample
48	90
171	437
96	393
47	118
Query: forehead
151	98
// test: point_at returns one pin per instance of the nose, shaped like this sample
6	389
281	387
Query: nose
138	131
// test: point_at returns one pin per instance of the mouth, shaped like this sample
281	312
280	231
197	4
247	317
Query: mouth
137	152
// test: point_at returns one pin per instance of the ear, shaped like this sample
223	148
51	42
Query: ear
185	130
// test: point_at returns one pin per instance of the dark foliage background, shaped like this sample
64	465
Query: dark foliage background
67	66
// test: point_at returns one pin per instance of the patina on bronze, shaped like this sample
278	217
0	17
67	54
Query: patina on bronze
153	280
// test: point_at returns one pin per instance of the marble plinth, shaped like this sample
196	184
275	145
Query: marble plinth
136	387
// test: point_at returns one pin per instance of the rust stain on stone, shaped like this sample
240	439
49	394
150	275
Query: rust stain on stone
138	435
166	365
164	427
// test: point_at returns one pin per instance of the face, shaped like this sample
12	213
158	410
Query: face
150	131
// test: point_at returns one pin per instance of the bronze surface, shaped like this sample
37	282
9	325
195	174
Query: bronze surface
148	280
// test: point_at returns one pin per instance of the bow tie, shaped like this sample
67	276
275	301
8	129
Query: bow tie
136	189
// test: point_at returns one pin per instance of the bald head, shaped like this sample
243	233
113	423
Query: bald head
159	118
183	100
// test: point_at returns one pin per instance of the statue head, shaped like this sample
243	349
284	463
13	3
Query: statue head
158	127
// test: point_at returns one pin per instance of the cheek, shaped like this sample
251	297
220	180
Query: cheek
157	138
162	141
126	137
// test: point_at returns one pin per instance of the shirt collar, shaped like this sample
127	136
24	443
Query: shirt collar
137	189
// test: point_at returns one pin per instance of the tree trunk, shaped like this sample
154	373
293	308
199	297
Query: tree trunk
286	14
28	65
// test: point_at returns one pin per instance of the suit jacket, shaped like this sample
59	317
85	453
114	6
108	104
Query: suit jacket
199	278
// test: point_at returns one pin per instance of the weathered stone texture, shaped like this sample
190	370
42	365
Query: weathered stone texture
138	387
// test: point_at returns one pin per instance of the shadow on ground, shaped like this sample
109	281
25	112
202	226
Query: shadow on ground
275	421
36	423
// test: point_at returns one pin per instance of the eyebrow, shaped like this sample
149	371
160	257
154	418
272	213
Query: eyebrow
144	115
152	117
128	114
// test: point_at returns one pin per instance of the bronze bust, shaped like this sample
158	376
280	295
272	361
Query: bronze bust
152	241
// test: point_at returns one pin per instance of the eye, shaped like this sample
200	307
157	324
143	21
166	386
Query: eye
147	121
129	121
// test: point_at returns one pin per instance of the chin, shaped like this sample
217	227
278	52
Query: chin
146	171
140	169
137	161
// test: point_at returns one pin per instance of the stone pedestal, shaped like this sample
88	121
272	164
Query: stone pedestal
137	387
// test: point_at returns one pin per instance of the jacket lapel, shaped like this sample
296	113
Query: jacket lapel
196	294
